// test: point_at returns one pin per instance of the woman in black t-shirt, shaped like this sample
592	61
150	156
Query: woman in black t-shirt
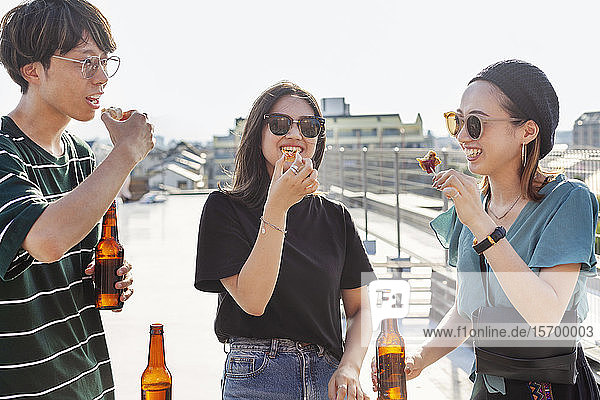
280	257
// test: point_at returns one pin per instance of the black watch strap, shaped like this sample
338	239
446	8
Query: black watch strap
489	241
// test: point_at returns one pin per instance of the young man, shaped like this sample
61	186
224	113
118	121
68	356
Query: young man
52	343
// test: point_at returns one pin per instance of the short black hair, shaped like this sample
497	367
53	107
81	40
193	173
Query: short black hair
37	29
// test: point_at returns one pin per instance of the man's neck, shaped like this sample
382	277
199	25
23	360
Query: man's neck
41	123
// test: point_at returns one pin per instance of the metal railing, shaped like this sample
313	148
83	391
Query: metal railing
344	168
396	172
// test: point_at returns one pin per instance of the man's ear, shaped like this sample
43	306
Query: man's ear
31	72
531	130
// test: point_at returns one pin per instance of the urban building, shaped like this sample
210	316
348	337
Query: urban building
182	168
136	183
222	159
445	142
342	129
563	137
373	131
586	130
143	169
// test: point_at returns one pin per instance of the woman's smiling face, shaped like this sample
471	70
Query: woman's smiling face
294	107
498	146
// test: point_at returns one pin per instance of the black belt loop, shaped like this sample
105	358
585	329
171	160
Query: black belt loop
273	350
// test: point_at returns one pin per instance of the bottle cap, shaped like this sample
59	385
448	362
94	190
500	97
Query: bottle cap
156	329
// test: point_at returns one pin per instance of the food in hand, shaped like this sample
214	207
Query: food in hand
429	162
117	113
289	152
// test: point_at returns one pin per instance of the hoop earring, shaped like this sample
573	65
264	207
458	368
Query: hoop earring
524	154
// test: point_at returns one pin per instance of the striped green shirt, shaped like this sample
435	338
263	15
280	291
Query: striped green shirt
52	343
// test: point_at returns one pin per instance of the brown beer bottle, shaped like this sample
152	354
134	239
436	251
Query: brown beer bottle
156	379
109	258
391	378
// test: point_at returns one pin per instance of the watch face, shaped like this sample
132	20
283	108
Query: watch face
499	233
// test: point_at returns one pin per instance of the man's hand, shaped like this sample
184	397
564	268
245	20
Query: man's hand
125	284
133	136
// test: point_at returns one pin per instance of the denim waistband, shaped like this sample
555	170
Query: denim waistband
273	346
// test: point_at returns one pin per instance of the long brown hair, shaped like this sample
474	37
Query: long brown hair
531	172
251	179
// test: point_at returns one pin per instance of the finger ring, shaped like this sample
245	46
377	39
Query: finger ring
343	385
294	169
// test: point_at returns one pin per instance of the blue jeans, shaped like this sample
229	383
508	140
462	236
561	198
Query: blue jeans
276	369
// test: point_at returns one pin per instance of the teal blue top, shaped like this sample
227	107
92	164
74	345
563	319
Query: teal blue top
558	230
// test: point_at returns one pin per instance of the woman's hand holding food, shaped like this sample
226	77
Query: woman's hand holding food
289	187
464	192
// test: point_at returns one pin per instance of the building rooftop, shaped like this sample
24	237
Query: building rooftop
184	172
592	117
196	158
417	120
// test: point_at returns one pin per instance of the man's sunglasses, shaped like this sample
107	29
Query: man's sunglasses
474	123
310	127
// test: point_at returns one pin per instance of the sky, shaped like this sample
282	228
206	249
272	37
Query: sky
195	66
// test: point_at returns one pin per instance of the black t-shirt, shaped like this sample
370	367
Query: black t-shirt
322	254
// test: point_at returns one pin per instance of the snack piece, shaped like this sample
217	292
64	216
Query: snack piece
429	162
117	113
289	152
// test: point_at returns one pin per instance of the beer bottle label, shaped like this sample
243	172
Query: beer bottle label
156	394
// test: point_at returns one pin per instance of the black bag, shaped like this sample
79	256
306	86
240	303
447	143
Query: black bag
529	361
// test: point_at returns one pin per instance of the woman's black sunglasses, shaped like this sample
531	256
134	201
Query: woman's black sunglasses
310	126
